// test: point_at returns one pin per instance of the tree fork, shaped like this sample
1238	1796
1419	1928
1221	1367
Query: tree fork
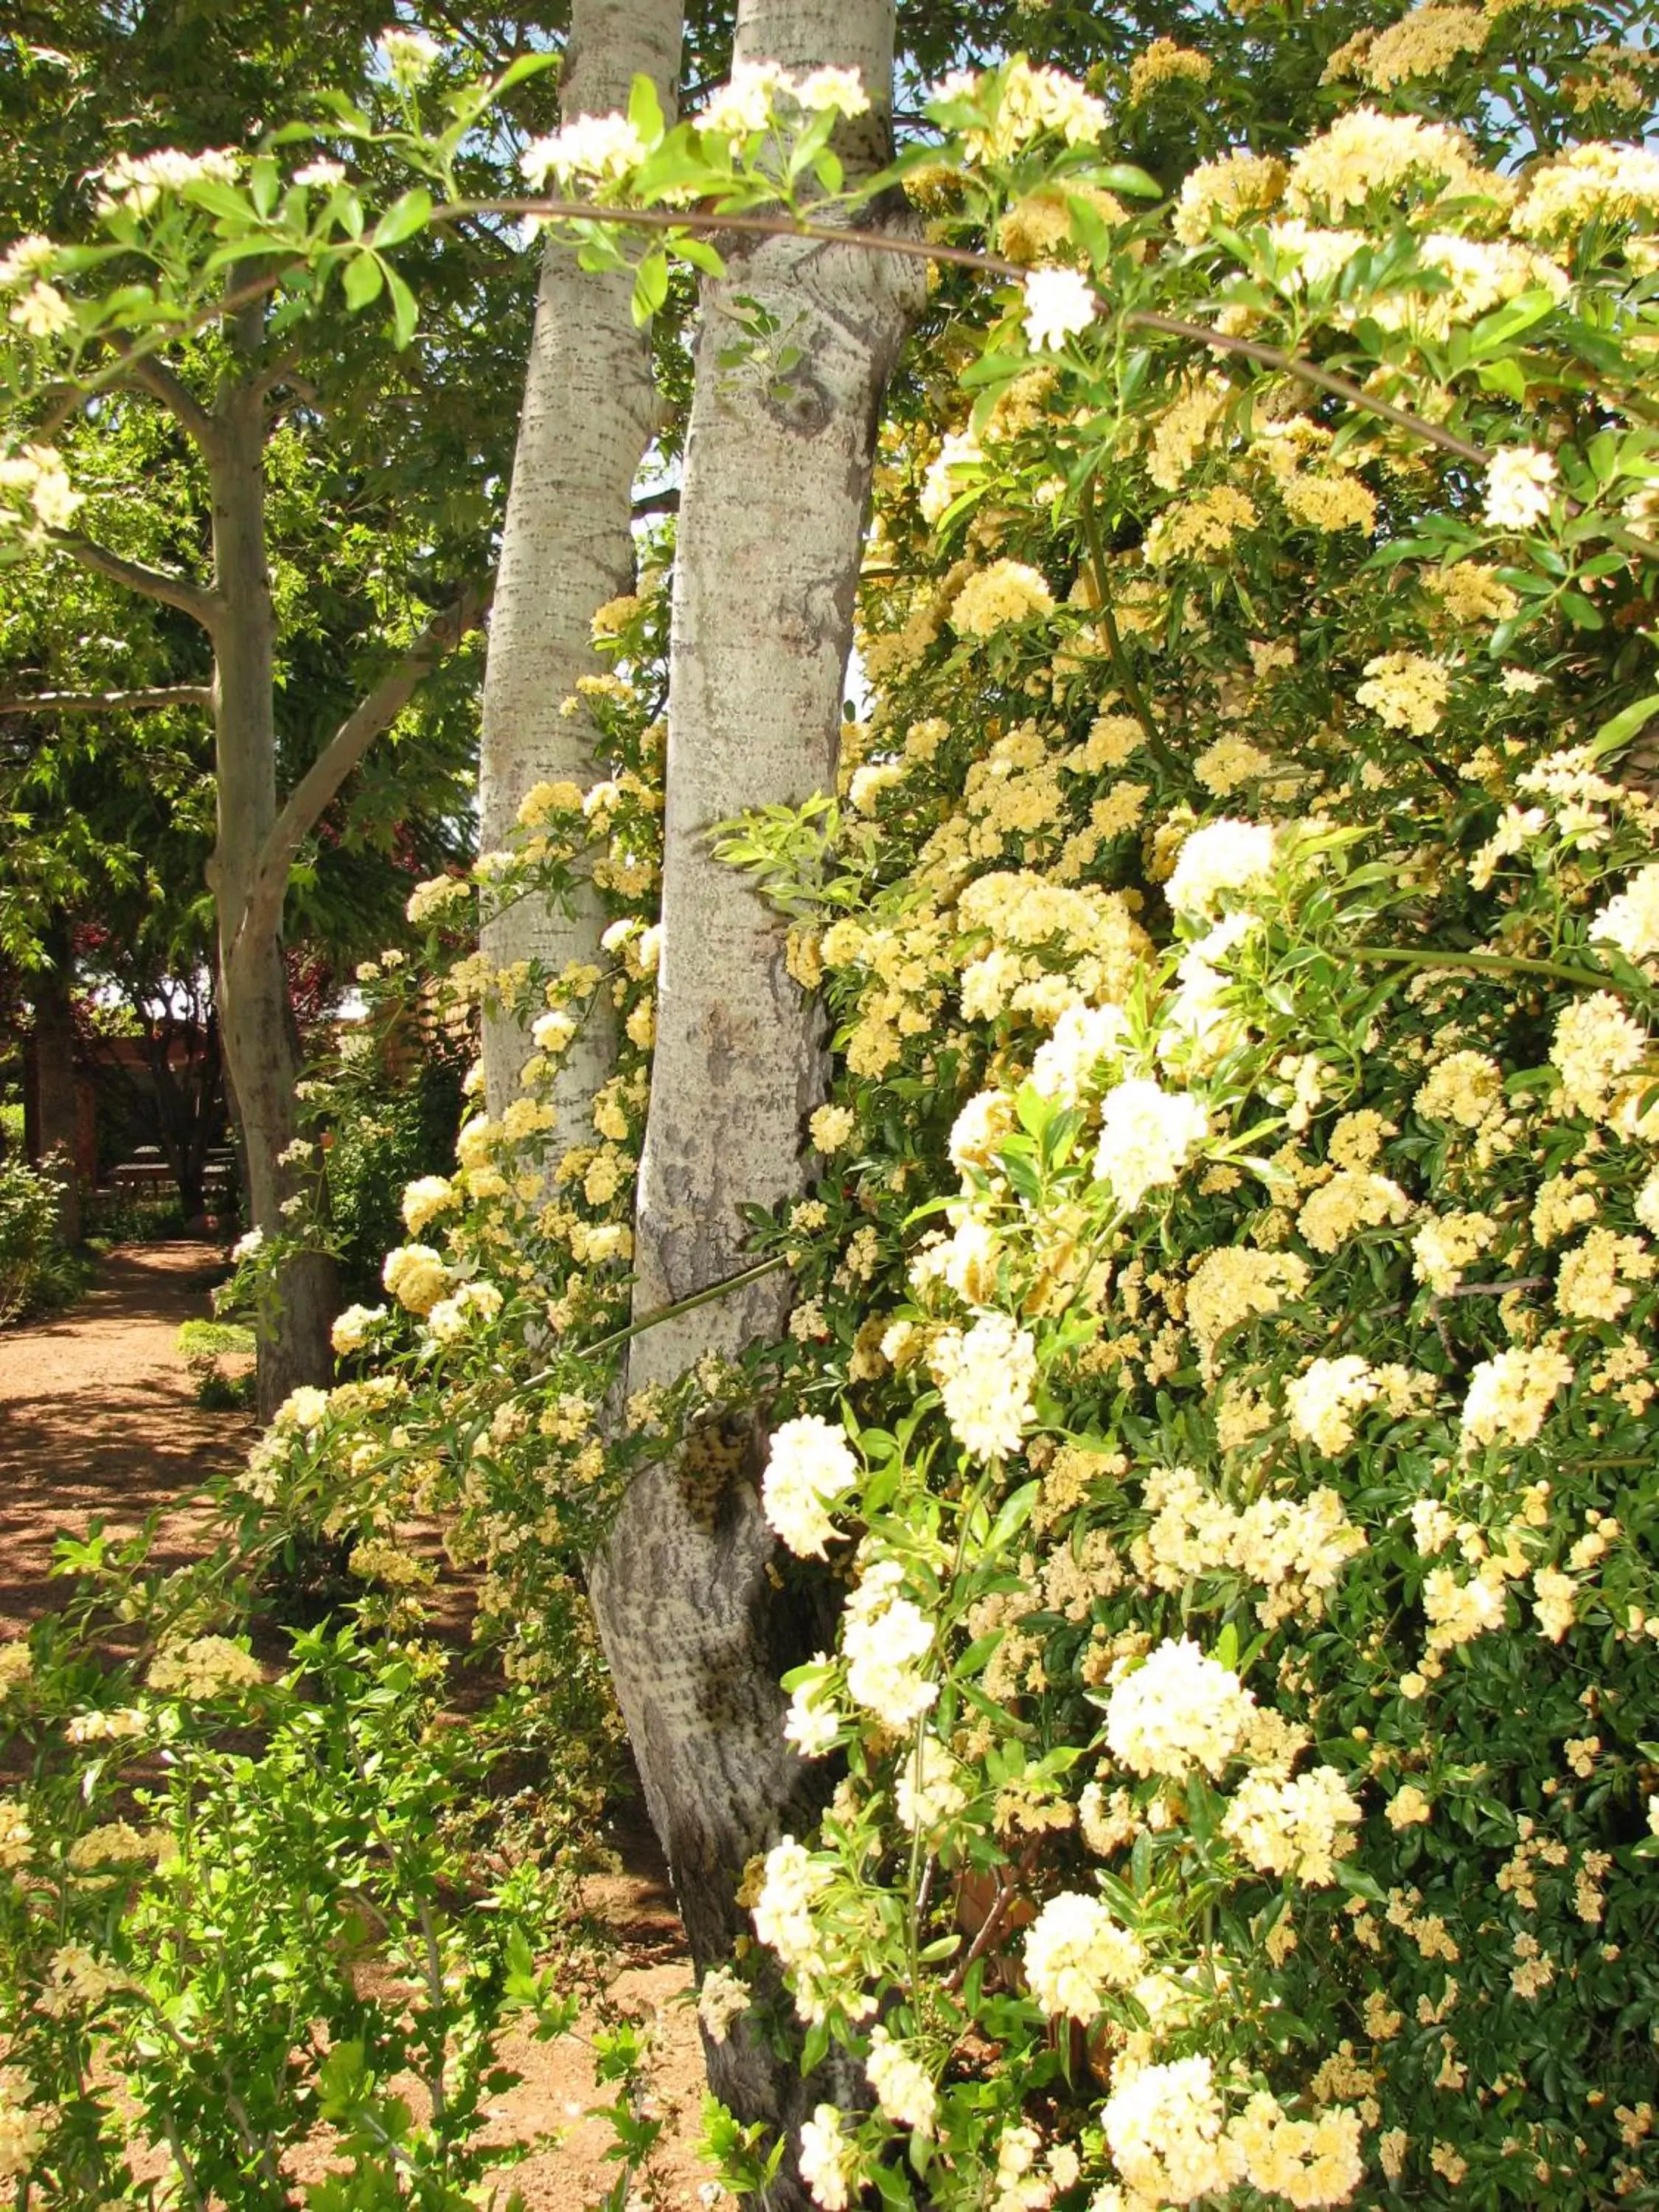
696	1623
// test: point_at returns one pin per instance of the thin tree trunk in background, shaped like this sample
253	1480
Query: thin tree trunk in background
57	1106
567	547
772	519
257	1027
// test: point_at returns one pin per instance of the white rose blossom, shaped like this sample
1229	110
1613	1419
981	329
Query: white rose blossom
1520	485
809	1467
1059	303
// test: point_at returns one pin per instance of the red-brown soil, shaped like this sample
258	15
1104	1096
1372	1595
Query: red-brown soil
99	1420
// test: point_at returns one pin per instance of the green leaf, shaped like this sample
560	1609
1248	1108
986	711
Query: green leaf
645	110
1504	376
1034	1110
362	280
1617	733
527	65
674	166
1508	322
943	1946
1124	177
405	308
265	183
1016	1512
220	199
650	286
403	218
701	255
817	2046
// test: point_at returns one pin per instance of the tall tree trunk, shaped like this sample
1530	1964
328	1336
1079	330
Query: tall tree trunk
261	1045
567	547
57	1106
772	518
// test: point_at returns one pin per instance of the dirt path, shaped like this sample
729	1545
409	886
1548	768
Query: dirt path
98	1418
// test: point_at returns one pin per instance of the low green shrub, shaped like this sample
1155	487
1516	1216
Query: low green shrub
125	1217
253	1887
204	1343
37	1271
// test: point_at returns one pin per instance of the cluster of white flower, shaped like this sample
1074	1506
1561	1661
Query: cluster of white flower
206	1666
1166	2131
1632	920
812	1723
808	1466
78	1981
454	1317
135	184
1147	1135
828	2165
15	1833
1227	855
783	1912
433	896
1081	1039
1027	101
1075	1952
1323	1402
305	1409
757	95
1179	1710
426	1199
415	1276
724	1996
354	1327
1520	486
986	1377
1510	1394
903	2086
410	55
599	148
1297	1828
959	449
1059	303
37	474
885	1636
925	1793
26	2126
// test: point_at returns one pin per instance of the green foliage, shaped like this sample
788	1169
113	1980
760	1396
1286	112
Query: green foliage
36	1272
206	1341
384	1128
120	1216
304	1913
202	1345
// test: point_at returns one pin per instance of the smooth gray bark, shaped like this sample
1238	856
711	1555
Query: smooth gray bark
567	547
772	519
261	1048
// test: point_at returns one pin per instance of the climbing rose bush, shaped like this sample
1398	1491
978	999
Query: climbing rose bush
1221	1369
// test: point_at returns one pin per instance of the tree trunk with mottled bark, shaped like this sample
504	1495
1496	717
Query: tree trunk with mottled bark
772	519
567	547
